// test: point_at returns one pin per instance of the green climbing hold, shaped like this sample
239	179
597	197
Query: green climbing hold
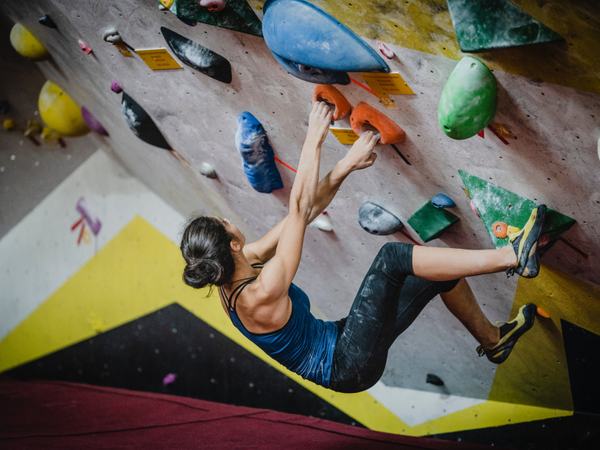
495	204
429	222
490	24
468	101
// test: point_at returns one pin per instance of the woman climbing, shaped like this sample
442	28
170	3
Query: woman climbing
256	289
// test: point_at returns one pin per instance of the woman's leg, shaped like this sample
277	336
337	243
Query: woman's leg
361	350
444	264
521	256
461	302
496	342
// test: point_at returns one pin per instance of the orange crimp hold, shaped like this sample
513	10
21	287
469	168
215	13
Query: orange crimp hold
365	114
542	312
500	229
330	94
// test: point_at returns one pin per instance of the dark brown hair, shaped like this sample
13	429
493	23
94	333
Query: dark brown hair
205	246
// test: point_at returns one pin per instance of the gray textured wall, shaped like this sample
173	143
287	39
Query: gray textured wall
554	160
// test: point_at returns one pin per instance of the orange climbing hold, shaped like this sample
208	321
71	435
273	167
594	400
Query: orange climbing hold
330	94
500	229
542	312
365	114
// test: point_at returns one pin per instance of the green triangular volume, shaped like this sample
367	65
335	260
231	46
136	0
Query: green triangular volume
237	15
490	24
495	204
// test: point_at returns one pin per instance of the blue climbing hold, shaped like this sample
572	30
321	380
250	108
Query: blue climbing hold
441	200
299	31
375	219
311	74
257	154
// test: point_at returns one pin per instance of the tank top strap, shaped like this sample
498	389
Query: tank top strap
235	293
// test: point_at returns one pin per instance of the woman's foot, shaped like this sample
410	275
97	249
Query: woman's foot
510	332
525	244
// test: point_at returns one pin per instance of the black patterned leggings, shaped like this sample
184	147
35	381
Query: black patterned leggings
389	299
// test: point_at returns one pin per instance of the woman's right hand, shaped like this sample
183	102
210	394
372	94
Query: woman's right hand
361	154
318	122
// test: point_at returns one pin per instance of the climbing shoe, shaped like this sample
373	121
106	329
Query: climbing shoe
510	332
525	244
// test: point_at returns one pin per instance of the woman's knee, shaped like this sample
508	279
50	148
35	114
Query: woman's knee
360	378
394	258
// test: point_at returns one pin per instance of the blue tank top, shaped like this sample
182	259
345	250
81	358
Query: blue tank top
304	345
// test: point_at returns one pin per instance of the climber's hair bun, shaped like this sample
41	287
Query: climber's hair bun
205	246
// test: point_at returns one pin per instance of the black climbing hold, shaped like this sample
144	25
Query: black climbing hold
47	21
377	220
434	379
312	74
198	57
188	22
141	123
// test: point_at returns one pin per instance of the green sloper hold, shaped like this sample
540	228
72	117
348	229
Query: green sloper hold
468	101
429	222
237	15
489	24
495	204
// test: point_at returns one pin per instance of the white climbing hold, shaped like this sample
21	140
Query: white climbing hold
375	219
208	170
323	222
112	35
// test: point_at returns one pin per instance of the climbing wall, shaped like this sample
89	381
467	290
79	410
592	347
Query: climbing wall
546	150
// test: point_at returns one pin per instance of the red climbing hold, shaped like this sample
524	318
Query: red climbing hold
474	208
385	50
85	47
331	95
213	5
365	115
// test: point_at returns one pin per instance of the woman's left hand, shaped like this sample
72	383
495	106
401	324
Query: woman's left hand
318	122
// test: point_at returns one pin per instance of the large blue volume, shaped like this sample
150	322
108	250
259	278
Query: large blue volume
300	32
257	154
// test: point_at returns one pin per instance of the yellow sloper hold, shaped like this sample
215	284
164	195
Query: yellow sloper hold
536	373
26	44
60	112
126	280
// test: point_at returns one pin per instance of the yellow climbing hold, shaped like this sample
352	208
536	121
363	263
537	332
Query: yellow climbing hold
26	44
49	135
8	124
60	112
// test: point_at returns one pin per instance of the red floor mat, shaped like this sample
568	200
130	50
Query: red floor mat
52	415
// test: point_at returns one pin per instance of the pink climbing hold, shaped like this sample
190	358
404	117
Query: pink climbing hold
474	208
169	379
115	86
213	5
385	50
85	47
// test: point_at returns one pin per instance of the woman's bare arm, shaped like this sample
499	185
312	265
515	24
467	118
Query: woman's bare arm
359	157
278	273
